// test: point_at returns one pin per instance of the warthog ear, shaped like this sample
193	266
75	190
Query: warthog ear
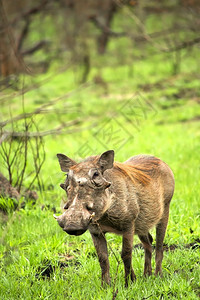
65	162
106	160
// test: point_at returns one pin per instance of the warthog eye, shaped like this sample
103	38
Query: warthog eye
96	177
96	173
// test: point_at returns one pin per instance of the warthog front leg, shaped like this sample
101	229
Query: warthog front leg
127	246
102	252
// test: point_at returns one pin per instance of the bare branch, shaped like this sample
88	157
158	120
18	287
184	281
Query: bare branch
35	48
58	130
106	29
38	153
3	137
185	44
23	35
40	109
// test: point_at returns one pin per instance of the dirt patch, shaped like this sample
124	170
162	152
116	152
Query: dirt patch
48	267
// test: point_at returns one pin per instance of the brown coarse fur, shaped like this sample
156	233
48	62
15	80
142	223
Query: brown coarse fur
133	172
137	169
124	198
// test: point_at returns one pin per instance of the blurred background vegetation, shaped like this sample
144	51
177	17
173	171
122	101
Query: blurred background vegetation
67	67
81	77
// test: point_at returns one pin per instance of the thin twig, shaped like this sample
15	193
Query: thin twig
26	126
183	45
24	33
35	48
40	109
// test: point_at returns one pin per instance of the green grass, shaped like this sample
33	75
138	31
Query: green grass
28	248
30	239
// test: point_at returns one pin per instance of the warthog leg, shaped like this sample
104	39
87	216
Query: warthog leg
127	246
160	234
102	252
146	241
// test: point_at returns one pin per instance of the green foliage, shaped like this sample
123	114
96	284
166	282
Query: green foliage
8	205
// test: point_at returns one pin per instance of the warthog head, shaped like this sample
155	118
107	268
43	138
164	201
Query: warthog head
86	189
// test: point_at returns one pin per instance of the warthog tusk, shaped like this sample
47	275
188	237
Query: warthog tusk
92	215
55	216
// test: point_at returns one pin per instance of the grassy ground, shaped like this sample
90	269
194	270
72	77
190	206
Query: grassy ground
150	111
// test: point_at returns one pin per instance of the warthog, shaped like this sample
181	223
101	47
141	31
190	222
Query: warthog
125	198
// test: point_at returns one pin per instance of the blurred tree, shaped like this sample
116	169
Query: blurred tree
15	20
69	28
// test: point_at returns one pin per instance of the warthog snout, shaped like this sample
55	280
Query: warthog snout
73	227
